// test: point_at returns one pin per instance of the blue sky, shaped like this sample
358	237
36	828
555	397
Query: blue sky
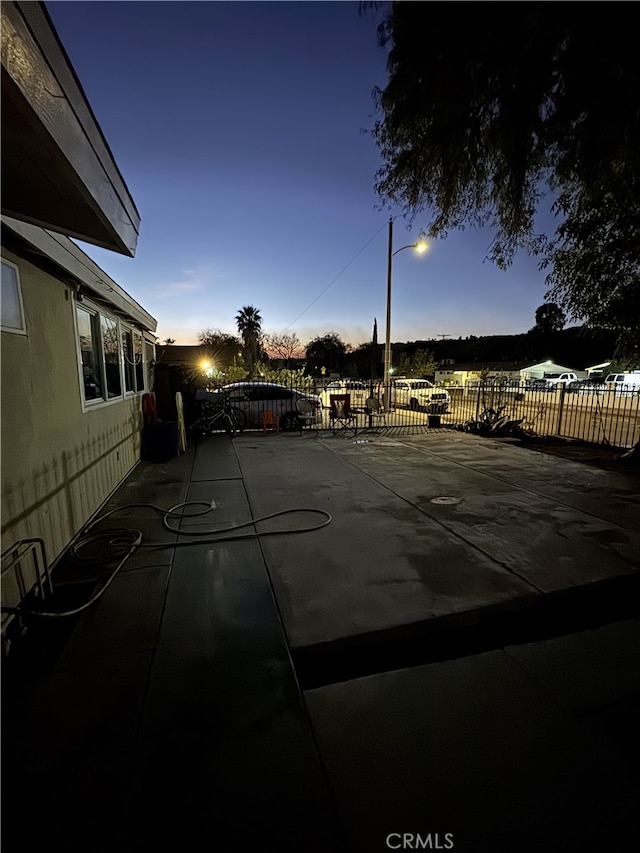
238	128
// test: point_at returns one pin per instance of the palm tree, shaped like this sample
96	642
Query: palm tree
249	324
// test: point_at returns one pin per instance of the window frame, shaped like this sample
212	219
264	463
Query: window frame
94	320
22	330
98	315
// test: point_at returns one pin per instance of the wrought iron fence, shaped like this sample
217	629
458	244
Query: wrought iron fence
591	414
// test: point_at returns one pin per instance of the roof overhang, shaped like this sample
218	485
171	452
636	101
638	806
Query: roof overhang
57	169
85	274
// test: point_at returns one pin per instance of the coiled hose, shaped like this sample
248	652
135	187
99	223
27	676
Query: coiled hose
123	541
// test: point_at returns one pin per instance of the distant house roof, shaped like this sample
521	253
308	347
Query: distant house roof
550	365
58	171
507	366
184	355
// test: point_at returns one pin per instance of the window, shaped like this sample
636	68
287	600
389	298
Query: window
129	360
111	353
133	364
149	357
89	353
11	302
137	357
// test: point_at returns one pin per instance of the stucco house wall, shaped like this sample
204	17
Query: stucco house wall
61	458
71	389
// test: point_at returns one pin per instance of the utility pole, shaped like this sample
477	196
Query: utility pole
443	336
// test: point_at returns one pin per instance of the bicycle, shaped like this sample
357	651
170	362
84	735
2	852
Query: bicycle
218	413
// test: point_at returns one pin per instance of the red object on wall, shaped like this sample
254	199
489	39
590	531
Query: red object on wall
149	410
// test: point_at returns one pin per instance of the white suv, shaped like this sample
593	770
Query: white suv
420	394
566	379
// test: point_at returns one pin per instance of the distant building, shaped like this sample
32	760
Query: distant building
462	374
544	368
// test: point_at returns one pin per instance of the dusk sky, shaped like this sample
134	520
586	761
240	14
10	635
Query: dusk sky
238	128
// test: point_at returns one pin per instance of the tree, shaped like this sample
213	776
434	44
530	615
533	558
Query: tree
224	349
527	100
284	346
284	376
421	363
169	341
549	318
249	324
327	351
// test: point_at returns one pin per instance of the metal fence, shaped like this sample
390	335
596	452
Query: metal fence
588	414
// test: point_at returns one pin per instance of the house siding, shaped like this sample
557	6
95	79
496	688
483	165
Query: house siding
59	463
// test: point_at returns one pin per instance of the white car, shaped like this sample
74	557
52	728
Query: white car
420	395
357	390
254	398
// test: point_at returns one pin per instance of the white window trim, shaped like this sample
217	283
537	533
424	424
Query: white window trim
136	333
10	329
101	402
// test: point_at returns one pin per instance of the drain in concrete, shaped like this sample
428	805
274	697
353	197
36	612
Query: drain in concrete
445	499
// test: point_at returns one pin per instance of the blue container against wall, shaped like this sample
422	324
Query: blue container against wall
160	442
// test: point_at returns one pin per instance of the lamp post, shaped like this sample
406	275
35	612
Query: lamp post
420	246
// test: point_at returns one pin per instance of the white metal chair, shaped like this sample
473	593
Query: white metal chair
375	412
306	413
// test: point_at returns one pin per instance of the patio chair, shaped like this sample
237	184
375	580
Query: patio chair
306	413
341	415
376	414
270	421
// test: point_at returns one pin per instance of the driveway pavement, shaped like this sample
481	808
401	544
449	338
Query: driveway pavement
452	663
432	531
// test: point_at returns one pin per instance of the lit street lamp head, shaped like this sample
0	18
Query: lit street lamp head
420	246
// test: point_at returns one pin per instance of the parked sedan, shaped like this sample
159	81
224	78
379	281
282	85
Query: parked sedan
254	398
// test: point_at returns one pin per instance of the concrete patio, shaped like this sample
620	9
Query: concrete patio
456	655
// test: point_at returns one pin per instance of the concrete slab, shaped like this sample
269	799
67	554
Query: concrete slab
123	622
230	505
392	559
380	564
610	495
587	671
474	748
215	459
534	533
202	733
67	741
224	746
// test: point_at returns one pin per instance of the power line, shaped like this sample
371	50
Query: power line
333	281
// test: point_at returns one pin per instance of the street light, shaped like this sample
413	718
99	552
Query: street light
420	246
